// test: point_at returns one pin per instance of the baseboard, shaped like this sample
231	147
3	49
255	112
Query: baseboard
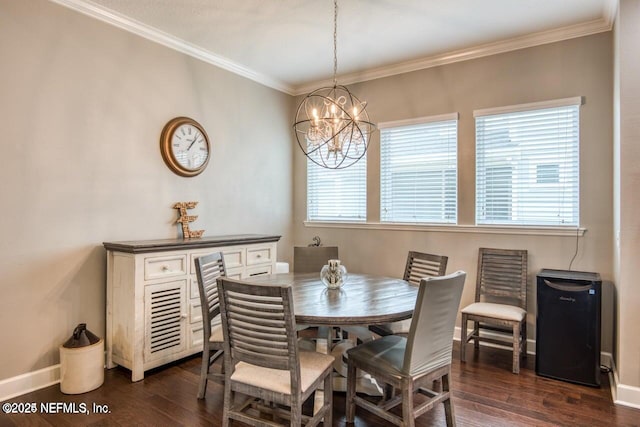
31	381
621	394
606	359
627	396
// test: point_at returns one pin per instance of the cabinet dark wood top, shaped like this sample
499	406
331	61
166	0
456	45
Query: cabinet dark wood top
363	300
161	245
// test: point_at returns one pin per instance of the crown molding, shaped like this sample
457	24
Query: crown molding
103	14
474	52
610	11
93	10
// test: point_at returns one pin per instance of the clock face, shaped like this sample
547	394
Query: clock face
185	146
189	146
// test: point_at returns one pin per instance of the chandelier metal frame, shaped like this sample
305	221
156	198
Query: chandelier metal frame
332	125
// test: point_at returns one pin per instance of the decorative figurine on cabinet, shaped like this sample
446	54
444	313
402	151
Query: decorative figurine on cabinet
185	219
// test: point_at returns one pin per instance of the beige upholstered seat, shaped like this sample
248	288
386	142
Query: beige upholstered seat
312	365
498	311
419	265
501	302
208	269
263	368
412	364
216	334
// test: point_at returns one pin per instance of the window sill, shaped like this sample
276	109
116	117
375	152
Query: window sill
444	228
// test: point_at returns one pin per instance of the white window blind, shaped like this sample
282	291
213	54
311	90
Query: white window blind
418	170
527	164
337	194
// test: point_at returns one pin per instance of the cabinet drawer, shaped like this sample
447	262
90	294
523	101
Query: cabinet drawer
194	256
235	273
195	313
166	266
234	257
261	255
194	291
258	271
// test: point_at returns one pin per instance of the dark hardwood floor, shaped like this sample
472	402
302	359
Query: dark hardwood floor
485	393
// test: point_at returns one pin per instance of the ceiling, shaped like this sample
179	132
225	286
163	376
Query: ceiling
288	44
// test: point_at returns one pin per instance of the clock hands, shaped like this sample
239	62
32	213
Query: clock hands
195	138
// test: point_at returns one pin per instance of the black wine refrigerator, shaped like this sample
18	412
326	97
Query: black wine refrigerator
568	326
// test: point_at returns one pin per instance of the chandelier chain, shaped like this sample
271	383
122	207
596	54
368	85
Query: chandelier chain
335	42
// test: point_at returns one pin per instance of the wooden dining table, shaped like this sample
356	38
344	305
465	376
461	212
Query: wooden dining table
364	299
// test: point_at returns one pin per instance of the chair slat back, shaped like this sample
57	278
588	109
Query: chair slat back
208	269
430	340
258	324
502	276
311	259
420	265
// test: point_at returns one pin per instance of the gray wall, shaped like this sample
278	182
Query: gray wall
578	67
82	105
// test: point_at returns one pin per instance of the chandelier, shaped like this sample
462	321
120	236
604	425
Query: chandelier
332	126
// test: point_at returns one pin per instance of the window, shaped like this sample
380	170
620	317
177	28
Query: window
527	164
498	199
418	170
337	194
548	174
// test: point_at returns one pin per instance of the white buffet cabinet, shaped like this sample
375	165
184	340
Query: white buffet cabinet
153	303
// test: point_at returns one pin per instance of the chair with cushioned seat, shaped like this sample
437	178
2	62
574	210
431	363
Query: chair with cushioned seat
501	302
412	364
419	265
262	362
208	269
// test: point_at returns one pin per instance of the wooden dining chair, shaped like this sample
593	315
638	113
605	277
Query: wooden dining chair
208	269
263	367
500	303
419	265
311	259
411	365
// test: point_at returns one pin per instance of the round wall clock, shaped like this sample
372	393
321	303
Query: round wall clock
185	146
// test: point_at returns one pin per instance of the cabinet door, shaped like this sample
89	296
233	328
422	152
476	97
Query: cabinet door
165	306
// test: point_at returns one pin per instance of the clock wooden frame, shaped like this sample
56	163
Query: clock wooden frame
167	153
